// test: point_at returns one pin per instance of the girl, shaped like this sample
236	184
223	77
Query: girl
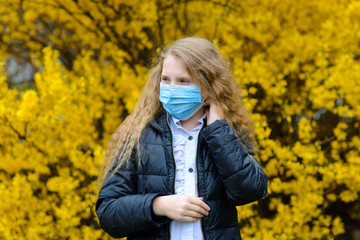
180	163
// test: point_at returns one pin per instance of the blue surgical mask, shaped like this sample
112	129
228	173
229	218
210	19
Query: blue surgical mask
180	101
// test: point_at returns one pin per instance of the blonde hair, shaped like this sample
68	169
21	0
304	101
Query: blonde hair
214	76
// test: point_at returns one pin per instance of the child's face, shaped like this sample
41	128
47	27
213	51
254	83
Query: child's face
174	72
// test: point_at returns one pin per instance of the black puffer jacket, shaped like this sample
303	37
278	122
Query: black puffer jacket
227	177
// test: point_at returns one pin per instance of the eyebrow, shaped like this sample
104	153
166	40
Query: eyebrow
182	77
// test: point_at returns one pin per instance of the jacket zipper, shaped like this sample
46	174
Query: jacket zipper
172	151
197	175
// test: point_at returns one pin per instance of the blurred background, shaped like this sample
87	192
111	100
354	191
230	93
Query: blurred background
72	70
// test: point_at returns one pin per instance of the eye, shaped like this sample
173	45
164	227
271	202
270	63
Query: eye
184	81
165	79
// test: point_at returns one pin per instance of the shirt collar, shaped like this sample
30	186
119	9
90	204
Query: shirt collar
178	123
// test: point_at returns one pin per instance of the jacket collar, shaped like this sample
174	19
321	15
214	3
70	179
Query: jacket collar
160	121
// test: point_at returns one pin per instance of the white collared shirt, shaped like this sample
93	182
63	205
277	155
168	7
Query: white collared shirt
185	148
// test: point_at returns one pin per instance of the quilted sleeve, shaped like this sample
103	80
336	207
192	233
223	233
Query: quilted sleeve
121	211
243	178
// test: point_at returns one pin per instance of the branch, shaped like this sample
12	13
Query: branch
23	137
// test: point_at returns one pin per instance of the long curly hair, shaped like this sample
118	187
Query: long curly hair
209	70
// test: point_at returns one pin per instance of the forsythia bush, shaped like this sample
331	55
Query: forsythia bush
297	61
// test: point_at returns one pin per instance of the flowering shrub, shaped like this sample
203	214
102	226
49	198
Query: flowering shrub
297	61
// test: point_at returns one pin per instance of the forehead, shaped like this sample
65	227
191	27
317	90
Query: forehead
174	66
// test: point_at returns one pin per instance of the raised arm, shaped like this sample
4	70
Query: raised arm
240	173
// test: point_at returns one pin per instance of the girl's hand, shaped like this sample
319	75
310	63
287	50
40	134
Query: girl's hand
180	207
213	112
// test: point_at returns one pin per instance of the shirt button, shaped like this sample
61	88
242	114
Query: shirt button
190	170
190	138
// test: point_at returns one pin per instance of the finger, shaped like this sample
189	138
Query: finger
194	214
188	219
195	211
199	202
205	206
195	200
